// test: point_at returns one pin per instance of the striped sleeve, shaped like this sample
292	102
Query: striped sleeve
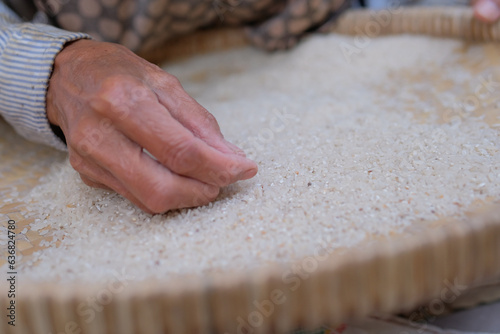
27	53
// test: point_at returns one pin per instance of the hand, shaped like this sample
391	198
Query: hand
487	10
111	104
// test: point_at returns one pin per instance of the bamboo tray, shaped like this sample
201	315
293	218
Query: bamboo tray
384	277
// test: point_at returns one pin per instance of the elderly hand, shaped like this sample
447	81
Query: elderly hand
111	104
487	10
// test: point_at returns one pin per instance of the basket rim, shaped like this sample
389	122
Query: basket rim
415	266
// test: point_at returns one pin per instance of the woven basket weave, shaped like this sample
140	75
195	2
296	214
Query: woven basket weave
388	276
445	22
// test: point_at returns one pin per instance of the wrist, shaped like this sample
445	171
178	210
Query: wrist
67	54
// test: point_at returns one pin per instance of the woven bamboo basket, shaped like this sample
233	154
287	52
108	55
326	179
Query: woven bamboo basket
389	276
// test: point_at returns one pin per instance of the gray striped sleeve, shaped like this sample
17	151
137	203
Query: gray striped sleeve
27	53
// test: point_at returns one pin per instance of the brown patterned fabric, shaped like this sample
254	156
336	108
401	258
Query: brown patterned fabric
26	9
144	24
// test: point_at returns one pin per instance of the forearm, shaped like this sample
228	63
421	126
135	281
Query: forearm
27	54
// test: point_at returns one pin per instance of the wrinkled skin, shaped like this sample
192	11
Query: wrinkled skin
111	103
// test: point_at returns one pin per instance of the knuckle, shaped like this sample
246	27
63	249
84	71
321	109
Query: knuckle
207	194
222	177
210	192
210	125
168	83
118	94
113	88
206	124
167	79
164	197
159	200
180	157
172	79
209	119
76	161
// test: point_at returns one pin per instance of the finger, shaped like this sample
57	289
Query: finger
149	124
93	183
197	119
487	10
145	181
96	177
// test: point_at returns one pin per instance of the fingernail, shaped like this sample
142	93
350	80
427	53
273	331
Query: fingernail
488	10
248	174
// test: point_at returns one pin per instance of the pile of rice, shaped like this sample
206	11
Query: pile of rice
349	149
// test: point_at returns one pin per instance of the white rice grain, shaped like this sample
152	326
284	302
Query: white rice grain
341	161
